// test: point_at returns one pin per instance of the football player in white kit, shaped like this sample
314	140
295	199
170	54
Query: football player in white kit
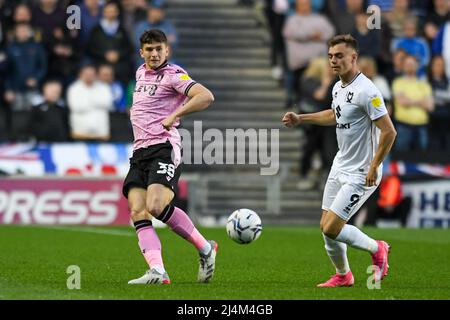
365	135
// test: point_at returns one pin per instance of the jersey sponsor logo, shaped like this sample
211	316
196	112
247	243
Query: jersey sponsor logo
343	126
184	77
350	97
376	102
151	89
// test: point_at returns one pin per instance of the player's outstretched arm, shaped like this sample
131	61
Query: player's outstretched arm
201	98
387	138
322	118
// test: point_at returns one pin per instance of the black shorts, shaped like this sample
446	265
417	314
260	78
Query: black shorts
152	165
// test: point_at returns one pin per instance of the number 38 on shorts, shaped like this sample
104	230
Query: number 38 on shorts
166	169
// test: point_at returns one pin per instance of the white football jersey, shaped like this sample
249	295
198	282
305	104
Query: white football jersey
356	105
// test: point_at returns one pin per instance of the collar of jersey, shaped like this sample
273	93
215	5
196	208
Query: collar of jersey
159	68
351	81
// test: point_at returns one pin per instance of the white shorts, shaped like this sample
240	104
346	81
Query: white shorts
345	193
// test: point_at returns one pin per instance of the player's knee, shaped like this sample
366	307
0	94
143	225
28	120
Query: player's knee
322	226
155	207
329	231
138	214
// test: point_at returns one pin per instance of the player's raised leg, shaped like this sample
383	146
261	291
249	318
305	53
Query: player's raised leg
148	240
159	199
337	252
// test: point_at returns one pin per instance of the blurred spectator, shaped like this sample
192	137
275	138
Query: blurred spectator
106	75
368	67
90	17
413	45
440	117
441	46
133	11
47	17
109	43
344	20
436	19
5	115
64	55
89	103
306	36
316	6
413	100
390	202
6	12
156	19
129	92
398	59
49	119
396	18
384	58
385	5
22	14
27	66
369	41
276	11
317	85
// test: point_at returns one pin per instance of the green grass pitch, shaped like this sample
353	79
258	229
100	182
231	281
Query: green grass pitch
284	263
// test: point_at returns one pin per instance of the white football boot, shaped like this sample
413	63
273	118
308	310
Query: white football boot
152	277
207	263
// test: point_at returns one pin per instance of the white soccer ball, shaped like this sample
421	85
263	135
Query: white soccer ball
244	226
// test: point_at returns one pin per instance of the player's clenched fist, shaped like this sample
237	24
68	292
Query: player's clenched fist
291	119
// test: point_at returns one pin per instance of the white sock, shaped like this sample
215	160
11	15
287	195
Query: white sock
206	249
355	238
337	251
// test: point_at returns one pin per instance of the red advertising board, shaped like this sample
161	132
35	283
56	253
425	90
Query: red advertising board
62	202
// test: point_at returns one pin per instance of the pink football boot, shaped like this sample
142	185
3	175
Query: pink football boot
338	280
380	260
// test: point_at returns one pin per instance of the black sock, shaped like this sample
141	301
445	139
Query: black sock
142	224
167	213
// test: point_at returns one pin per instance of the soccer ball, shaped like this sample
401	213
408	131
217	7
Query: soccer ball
244	226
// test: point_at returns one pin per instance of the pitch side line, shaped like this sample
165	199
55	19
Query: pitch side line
88	230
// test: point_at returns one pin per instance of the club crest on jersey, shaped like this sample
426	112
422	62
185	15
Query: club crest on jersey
350	97
159	77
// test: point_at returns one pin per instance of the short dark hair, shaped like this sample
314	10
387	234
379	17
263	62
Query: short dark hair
152	35
344	38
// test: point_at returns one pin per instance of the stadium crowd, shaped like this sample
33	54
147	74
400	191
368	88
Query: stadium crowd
50	71
406	53
67	82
